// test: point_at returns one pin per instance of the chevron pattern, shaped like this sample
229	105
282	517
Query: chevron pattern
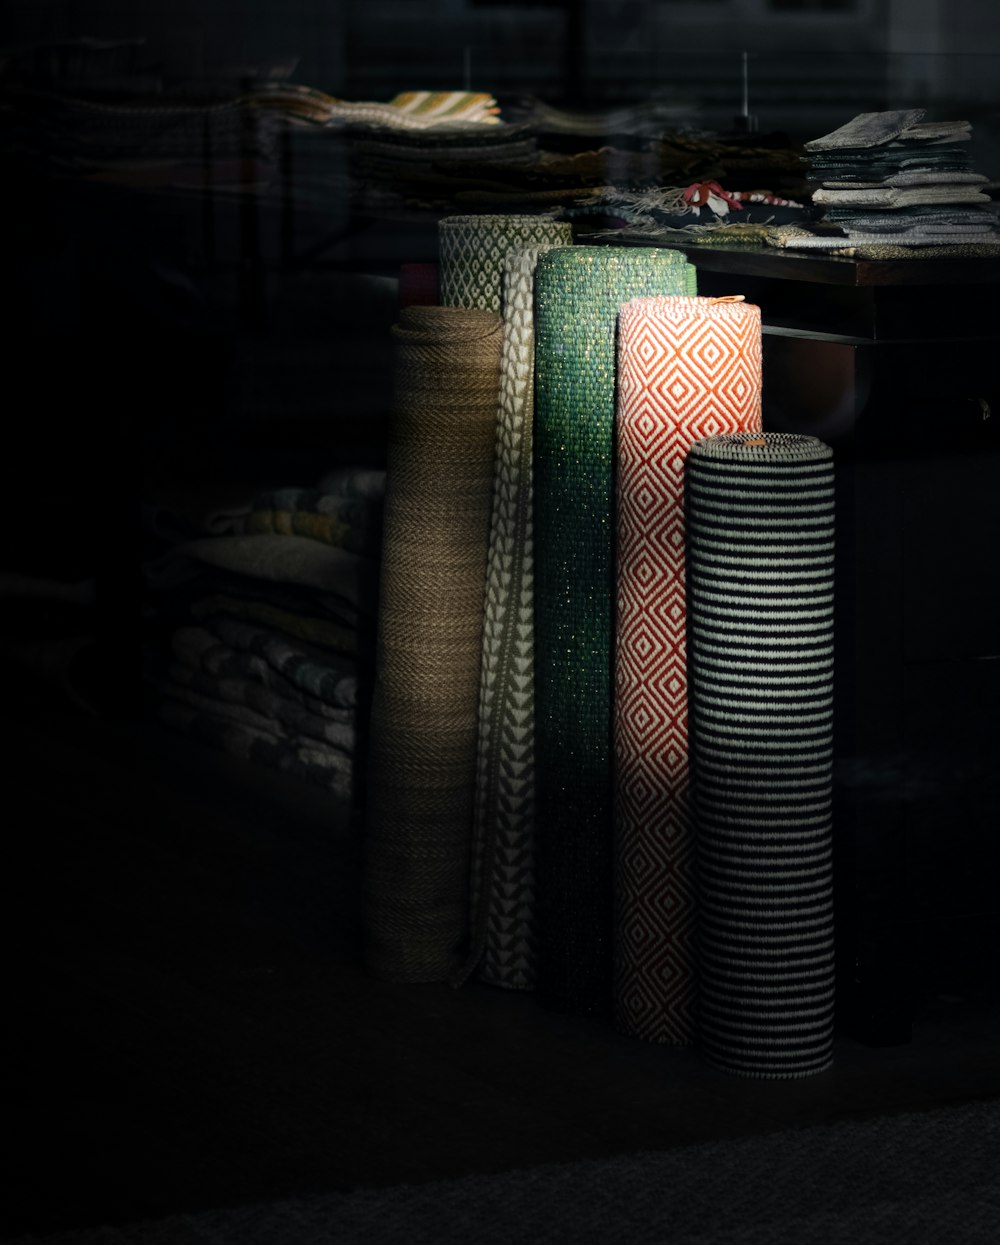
760	661
473	249
688	368
503	842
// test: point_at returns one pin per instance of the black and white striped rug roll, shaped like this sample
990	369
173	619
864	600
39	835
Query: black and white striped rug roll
760	676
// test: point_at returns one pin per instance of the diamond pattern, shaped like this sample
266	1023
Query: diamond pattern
689	368
473	250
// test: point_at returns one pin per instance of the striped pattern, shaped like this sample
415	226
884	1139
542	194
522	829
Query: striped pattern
760	669
688	368
578	292
448	106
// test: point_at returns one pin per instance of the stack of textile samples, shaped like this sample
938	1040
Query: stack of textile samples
263	621
891	178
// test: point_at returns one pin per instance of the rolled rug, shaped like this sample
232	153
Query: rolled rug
503	888
439	487
688	368
473	248
760	670
578	291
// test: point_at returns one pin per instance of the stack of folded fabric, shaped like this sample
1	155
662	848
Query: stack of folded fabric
268	627
891	177
429	166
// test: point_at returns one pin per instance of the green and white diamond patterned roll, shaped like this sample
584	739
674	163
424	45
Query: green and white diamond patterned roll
473	250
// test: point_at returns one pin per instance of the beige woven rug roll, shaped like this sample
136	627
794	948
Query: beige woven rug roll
439	488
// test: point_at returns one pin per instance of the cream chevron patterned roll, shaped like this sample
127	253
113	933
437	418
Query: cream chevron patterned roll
688	368
503	840
473	249
760	666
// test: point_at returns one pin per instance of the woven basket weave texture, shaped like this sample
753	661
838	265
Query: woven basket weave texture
429	646
578	292
760	668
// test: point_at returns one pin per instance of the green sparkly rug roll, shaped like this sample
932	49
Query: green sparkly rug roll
578	292
473	249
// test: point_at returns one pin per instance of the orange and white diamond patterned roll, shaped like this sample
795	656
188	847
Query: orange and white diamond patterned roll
688	368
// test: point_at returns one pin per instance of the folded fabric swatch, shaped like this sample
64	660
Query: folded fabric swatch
442	438
282	559
347	523
291	598
300	761
910	177
202	652
326	676
899	197
248	697
415	110
868	129
325	633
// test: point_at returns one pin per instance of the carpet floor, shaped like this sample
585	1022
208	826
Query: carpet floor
926	1177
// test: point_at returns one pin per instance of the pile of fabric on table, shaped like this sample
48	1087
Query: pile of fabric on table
262	625
509	167
891	178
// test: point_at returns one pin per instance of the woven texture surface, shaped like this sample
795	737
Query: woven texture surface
423	734
905	1180
578	292
688	368
760	665
504	864
473	248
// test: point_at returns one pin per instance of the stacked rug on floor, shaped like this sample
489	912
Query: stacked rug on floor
578	294
688	368
267	624
429	647
760	662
